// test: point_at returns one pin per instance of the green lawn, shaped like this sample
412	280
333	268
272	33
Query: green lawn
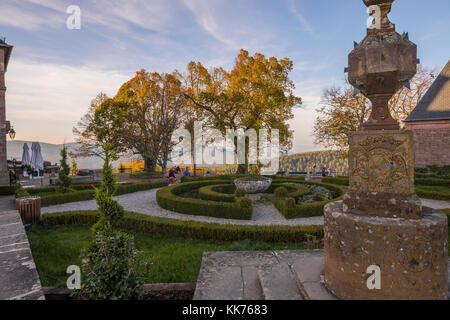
174	259
439	189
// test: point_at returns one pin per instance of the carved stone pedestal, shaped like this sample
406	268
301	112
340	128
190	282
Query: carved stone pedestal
381	224
381	178
411	255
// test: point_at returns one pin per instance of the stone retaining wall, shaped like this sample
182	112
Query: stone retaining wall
19	279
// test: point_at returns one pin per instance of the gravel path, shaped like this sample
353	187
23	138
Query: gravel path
264	213
436	204
144	202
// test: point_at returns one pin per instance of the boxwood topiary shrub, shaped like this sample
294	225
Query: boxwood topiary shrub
168	198
22	193
281	192
303	210
240	192
189	229
245	203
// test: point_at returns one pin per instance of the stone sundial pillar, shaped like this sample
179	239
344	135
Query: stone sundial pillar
379	241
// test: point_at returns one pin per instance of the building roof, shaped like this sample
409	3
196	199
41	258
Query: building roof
9	48
435	104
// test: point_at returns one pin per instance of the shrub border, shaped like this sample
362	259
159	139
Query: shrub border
85	195
190	229
433	195
168	198
418	182
306	210
208	193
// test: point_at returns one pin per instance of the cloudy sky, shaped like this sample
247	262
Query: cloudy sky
55	72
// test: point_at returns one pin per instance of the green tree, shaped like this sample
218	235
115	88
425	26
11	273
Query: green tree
112	266
63	174
155	108
256	94
74	168
99	127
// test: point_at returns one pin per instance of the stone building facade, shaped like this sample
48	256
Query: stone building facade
5	53
430	121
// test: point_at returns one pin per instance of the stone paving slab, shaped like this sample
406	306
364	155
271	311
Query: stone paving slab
251	284
263	275
7	203
219	278
308	272
278	282
19	279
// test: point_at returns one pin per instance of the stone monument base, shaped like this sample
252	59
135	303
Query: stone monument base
411	255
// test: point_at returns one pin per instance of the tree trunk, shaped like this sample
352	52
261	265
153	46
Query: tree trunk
242	168
149	164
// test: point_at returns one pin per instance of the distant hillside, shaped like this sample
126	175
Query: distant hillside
50	152
302	162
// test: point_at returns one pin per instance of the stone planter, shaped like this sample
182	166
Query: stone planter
253	185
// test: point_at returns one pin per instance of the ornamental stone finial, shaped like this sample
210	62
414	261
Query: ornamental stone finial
381	64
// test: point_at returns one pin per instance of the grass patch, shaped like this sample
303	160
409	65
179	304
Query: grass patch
174	259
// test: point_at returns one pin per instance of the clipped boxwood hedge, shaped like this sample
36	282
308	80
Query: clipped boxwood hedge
419	182
342	181
304	210
190	229
168	198
432	182
294	190
8	190
432	195
216	193
88	194
60	198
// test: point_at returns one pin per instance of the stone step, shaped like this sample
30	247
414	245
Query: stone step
308	272
278	283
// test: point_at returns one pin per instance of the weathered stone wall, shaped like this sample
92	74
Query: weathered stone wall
19	279
4	176
432	142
